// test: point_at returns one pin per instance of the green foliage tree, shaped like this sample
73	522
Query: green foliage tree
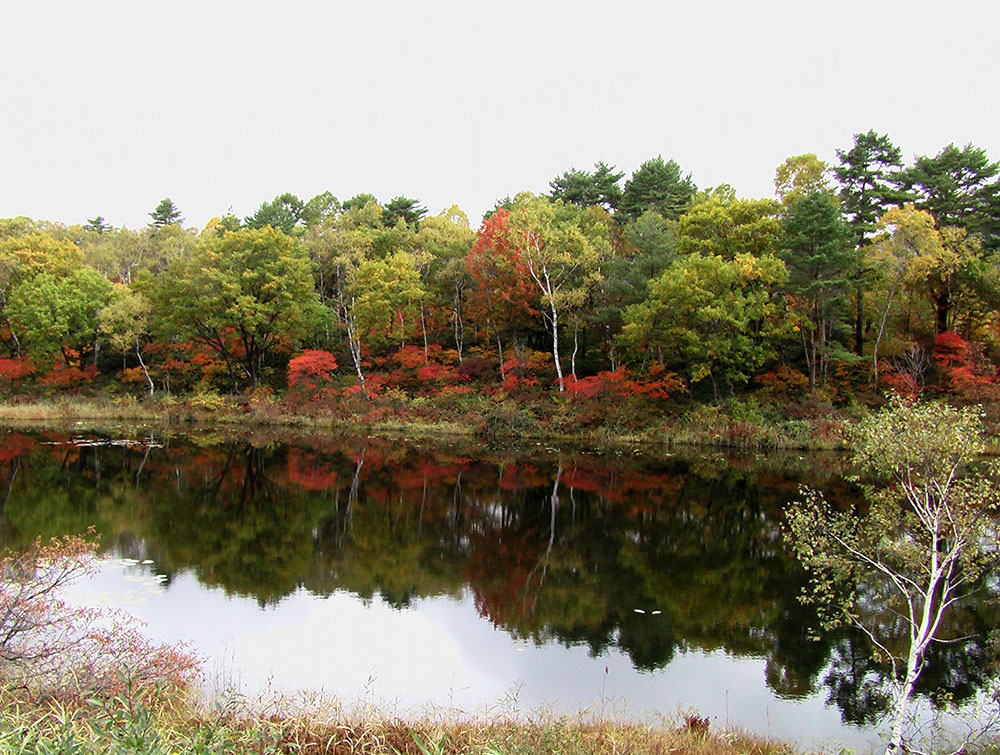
319	208
799	176
339	247
405	209
97	225
905	254
25	254
358	201
165	213
866	173
713	317
285	213
719	223
124	323
387	290
657	186
446	239
561	251
926	540
227	222
243	295
58	314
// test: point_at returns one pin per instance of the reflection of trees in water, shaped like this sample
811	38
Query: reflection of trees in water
560	548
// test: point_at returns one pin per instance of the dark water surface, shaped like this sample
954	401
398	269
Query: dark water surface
473	579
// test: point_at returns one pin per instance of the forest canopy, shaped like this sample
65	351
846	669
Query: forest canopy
865	275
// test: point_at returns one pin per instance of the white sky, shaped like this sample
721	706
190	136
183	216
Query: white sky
107	107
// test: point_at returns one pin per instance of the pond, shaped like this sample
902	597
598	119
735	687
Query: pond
473	579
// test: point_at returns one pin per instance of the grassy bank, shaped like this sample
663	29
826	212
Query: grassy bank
151	722
738	425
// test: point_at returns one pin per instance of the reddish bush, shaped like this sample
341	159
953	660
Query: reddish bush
477	369
618	386
64	378
526	371
48	644
964	372
311	370
17	368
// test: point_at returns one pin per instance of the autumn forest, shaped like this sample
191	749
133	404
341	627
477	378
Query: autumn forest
611	299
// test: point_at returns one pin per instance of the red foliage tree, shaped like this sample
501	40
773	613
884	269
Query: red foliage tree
503	297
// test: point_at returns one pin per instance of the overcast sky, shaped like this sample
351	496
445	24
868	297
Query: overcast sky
110	106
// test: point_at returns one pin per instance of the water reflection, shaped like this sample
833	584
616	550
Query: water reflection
650	559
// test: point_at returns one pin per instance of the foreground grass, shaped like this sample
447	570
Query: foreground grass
147	721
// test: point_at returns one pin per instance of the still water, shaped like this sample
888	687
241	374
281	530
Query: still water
472	579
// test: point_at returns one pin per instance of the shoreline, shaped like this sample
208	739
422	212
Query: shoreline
705	427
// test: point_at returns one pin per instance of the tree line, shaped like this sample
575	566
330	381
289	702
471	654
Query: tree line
866	272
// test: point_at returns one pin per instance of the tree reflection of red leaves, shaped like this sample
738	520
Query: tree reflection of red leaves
519	476
499	571
16	444
308	471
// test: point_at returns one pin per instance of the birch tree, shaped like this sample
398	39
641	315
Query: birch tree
928	538
561	252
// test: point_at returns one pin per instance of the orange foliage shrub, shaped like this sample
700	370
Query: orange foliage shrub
526	371
417	372
64	378
784	381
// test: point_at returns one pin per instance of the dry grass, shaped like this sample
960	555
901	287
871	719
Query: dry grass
152	722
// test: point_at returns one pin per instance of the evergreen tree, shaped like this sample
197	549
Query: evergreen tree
657	186
405	209
866	174
820	262
98	225
165	213
586	189
958	187
283	213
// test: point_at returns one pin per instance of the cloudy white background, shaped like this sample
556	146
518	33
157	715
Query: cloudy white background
107	107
